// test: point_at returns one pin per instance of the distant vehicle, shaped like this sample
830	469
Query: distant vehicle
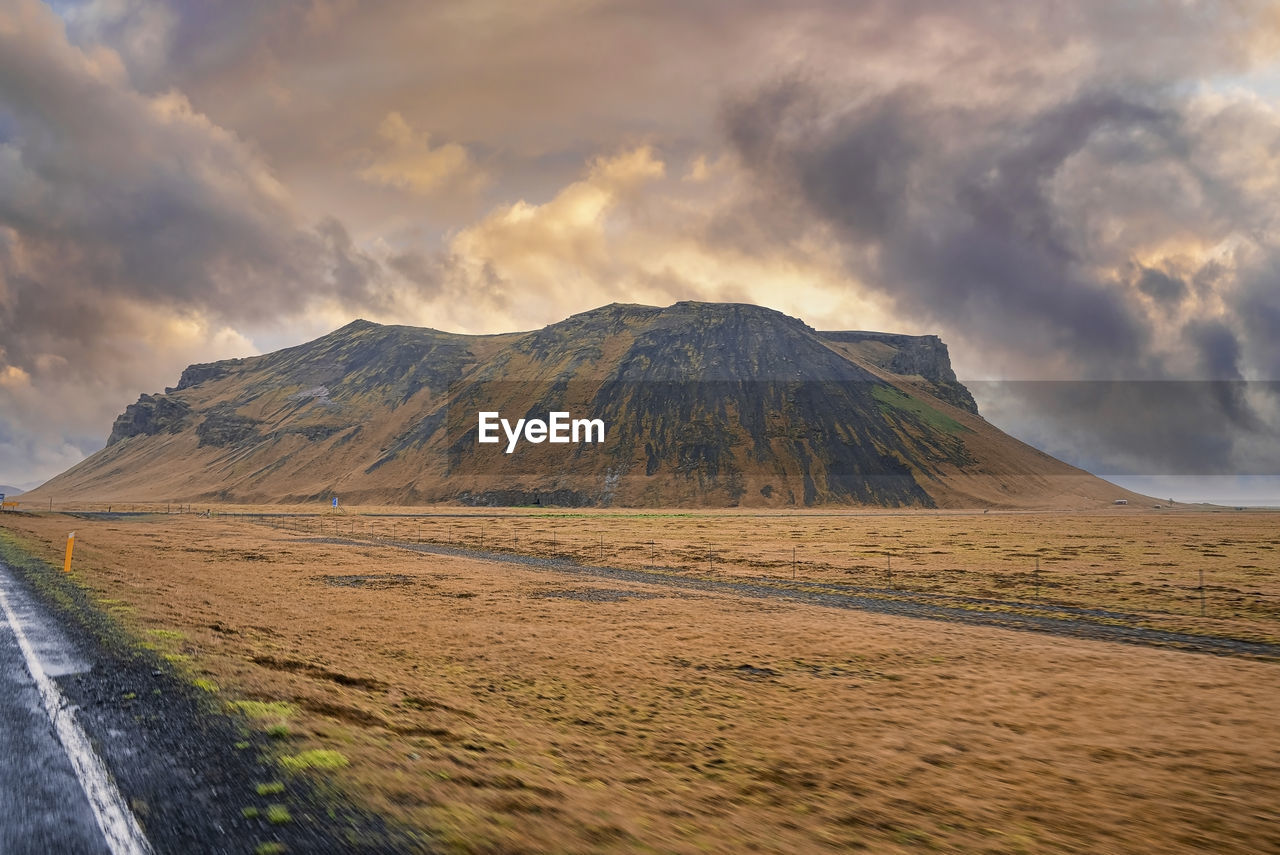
1122	501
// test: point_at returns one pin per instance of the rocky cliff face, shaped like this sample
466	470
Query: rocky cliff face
196	374
925	356
152	414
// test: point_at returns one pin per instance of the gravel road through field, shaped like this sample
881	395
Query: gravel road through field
1097	624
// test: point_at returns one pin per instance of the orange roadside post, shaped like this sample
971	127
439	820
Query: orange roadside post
71	542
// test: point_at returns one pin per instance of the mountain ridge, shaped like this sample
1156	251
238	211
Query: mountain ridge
711	404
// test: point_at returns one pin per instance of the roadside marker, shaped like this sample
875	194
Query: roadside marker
71	543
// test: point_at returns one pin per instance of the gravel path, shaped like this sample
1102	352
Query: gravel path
1097	624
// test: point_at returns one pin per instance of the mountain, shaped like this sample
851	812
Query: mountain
9	492
703	404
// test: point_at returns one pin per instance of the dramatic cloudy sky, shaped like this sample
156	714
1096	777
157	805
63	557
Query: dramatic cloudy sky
1070	193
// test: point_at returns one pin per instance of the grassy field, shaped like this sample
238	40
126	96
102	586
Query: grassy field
1214	573
511	709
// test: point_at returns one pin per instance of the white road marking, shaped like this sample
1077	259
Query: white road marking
119	827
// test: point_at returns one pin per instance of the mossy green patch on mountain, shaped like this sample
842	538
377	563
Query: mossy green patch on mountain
891	399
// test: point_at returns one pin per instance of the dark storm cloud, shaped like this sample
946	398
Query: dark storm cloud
1142	427
1055	228
421	270
110	196
1160	286
1220	354
1260	309
115	196
1217	347
125	220
959	215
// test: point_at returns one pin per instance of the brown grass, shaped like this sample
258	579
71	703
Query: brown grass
1132	561
494	706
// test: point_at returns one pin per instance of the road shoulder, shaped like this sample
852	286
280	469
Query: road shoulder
186	770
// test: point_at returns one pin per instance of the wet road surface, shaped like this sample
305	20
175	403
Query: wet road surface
44	806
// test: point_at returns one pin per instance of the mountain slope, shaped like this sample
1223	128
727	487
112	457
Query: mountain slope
704	404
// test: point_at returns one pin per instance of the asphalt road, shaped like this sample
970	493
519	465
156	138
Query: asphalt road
55	794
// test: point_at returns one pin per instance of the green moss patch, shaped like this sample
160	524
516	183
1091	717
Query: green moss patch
314	759
890	398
